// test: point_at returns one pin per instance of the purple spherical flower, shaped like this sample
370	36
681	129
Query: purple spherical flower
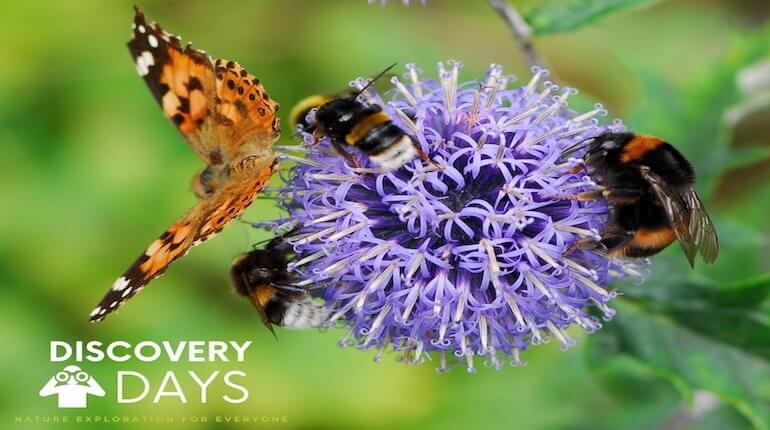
462	257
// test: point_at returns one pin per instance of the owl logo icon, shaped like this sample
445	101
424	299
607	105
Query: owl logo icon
73	386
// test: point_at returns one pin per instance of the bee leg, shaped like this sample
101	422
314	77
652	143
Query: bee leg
423	156
585	196
611	243
317	135
345	154
624	196
588	243
577	169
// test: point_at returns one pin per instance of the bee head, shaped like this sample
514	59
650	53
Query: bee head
609	144
338	115
256	268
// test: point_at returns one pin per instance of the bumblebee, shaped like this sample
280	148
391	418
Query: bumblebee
346	121
262	276
299	112
649	187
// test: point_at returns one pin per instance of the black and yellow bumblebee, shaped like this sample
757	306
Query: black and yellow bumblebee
263	277
347	121
649	187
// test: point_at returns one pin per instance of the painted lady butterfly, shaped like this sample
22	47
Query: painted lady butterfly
227	118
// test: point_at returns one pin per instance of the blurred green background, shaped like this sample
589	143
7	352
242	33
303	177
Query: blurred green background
92	172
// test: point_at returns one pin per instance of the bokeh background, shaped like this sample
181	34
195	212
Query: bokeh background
91	172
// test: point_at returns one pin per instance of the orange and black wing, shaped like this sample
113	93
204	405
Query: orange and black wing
198	225
182	80
692	225
217	105
224	122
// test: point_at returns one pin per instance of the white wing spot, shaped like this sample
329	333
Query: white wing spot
120	284
113	304
143	63
102	311
95	311
141	29
127	292
152	41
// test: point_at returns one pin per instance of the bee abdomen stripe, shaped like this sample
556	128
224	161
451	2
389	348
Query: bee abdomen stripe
639	146
364	125
654	239
301	109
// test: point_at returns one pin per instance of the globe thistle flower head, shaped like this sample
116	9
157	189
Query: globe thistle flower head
461	258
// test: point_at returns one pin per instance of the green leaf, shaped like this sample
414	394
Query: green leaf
737	315
569	15
688	359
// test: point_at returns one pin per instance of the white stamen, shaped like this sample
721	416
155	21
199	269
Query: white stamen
415	80
576	230
493	265
408	205
563	338
331	177
301	160
381	348
599	110
406	120
542	254
377	323
329	217
519	117
592	285
409	98
572	264
411	300
576	131
483	332
336	267
515	309
315	236
538	73
539	285
376	251
418	259
350	230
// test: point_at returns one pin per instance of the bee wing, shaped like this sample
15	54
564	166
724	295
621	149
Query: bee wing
199	224
692	225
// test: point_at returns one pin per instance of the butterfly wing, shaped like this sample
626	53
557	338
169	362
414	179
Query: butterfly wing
222	110
198	225
182	80
692	225
228	119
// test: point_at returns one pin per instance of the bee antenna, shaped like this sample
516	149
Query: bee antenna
379	75
574	147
